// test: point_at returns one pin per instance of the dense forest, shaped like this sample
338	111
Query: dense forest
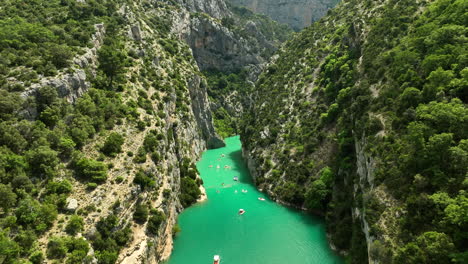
363	118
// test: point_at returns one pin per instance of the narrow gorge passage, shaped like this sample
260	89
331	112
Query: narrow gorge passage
267	233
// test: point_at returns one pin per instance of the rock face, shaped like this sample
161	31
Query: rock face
214	8
216	47
70	85
202	113
296	13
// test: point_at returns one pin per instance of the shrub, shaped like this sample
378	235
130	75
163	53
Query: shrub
144	180
155	221
113	144
75	225
92	170
56	248
141	213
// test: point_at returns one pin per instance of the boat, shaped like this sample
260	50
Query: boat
217	167
244	191
216	259
261	199
235	178
211	166
241	211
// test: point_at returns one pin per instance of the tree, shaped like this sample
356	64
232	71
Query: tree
42	161
9	104
56	248
155	221
9	250
113	144
7	197
90	169
111	61
430	247
141	213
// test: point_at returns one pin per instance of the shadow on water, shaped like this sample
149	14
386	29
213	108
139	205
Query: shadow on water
240	168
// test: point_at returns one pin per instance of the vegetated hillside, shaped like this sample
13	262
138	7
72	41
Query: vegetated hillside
231	46
363	118
103	113
298	14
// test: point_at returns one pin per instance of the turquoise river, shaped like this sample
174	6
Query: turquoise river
267	233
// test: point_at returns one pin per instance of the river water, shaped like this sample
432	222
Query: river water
267	233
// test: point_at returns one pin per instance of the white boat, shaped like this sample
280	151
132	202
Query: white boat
216	259
235	178
241	211
244	191
217	167
261	199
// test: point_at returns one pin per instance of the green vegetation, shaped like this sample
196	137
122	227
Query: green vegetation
154	222
393	99
141	213
113	144
220	87
74	225
189	183
109	239
33	44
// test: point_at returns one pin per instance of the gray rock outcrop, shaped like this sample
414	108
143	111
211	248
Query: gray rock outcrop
214	8
201	111
296	13
72	205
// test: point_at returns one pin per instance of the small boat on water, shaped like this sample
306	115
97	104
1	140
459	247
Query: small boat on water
261	199
244	191
241	211
235	179
218	167
216	259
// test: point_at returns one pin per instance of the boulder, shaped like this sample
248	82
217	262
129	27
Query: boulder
72	204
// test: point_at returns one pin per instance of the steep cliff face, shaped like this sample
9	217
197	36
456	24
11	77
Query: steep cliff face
224	39
344	123
136	81
296	13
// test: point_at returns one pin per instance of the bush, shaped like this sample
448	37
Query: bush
92	170
75	225
155	221
141	213
56	248
140	156
144	180
113	144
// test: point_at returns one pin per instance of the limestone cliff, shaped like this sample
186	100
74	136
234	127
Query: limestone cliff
295	13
